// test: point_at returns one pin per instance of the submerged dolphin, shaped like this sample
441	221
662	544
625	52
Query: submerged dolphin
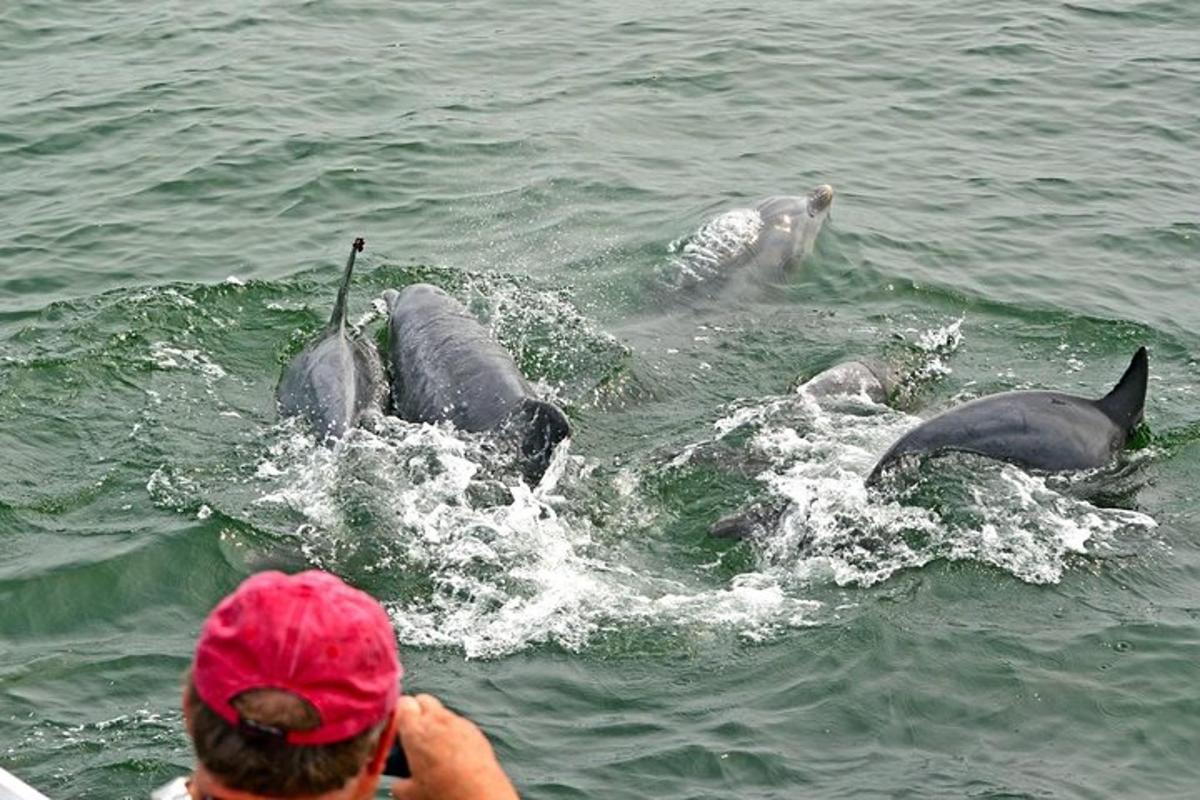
763	241
445	367
869	377
336	377
865	376
1040	430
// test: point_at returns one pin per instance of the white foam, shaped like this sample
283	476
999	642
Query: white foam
503	566
834	529
167	356
168	488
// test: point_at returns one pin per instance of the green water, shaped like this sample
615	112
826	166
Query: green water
1018	205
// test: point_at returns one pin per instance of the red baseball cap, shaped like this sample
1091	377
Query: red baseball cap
308	634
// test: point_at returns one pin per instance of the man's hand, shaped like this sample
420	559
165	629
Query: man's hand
449	757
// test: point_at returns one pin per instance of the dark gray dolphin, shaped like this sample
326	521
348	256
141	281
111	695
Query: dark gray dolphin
445	367
865	376
1047	431
336	377
763	241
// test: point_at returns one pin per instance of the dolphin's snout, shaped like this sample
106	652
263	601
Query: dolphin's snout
820	198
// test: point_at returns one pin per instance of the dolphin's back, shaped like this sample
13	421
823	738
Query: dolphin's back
871	378
445	366
331	384
337	376
1047	431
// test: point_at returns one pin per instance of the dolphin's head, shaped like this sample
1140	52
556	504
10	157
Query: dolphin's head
875	379
819	200
801	217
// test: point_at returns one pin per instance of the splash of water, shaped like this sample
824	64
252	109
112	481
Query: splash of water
482	562
834	528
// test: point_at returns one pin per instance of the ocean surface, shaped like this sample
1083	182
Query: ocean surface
1018	205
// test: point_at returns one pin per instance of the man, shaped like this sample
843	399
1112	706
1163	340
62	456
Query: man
294	693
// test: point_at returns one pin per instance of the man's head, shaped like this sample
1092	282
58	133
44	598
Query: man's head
293	687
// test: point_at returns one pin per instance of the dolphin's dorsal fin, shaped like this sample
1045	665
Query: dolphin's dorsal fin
1125	403
338	320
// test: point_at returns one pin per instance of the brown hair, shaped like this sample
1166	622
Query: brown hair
261	764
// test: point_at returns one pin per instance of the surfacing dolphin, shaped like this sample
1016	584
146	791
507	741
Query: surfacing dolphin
335	378
764	241
445	367
865	376
1039	430
868	377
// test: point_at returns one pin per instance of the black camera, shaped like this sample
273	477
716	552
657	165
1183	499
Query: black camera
397	763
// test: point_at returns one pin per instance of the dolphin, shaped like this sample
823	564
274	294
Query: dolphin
445	367
752	522
764	241
864	376
337	377
1039	430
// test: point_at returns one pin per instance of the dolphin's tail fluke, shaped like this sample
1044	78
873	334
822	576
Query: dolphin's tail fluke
1126	402
338	320
544	426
